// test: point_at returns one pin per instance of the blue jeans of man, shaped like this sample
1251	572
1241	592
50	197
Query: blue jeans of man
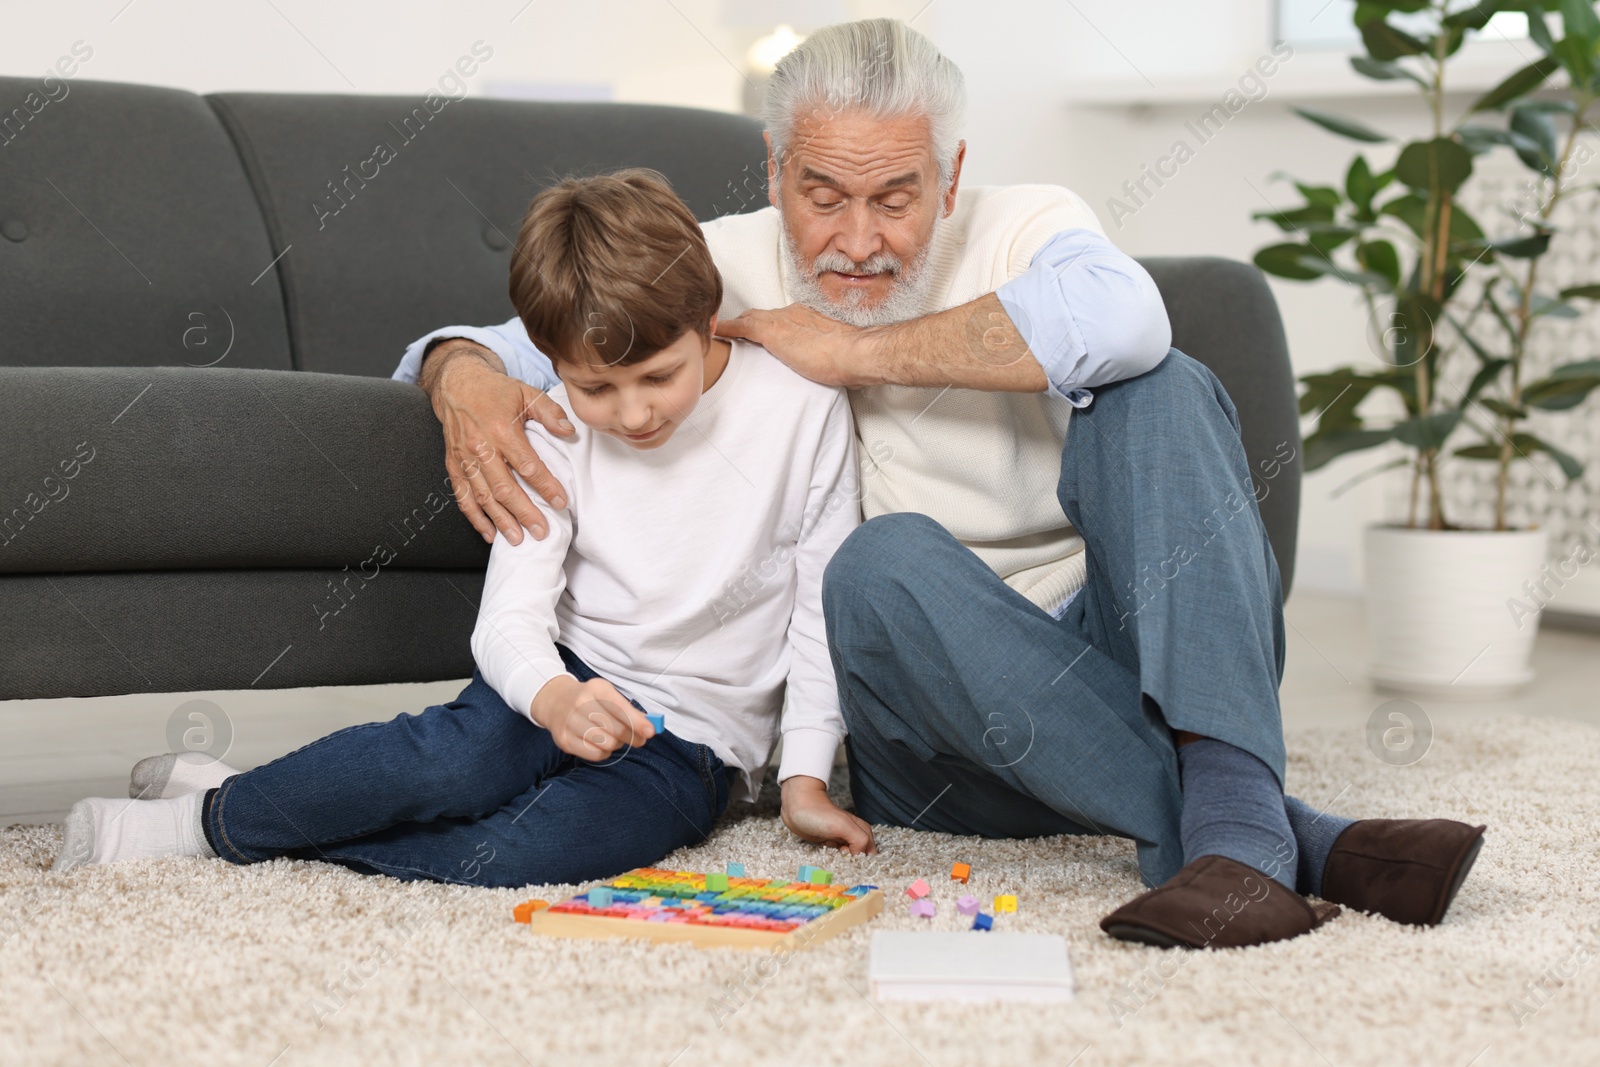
972	711
471	792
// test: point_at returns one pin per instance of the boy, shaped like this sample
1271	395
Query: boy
708	485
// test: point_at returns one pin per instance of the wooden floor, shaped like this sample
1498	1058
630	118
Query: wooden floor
54	752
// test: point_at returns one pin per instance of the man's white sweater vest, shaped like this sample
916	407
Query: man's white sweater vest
983	465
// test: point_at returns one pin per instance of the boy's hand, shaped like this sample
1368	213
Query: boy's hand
590	719
813	817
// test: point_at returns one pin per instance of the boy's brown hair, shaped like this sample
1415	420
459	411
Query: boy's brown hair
612	269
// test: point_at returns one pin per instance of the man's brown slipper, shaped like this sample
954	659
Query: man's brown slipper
1215	902
1407	870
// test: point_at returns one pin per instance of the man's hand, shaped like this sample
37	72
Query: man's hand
812	344
482	412
590	719
813	817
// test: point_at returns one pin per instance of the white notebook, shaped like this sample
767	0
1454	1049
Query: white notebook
969	966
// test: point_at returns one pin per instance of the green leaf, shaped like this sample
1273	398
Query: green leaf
1326	445
1475	17
1579	20
1428	431
1527	442
1521	247
1360	186
1325	196
1380	257
1504	410
1342	126
1487	373
1295	219
1535	126
1518	84
1483	451
1588	292
1556	309
1385	72
1440	164
1325	239
1288	261
1538	29
1577	57
1412	209
1385	42
1566	387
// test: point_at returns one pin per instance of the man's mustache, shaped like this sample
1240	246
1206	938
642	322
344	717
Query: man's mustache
881	263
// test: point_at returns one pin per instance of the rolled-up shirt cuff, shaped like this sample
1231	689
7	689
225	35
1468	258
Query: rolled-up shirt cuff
410	368
1054	341
808	751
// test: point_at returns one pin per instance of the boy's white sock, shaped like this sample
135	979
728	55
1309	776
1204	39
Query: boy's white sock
176	773
107	829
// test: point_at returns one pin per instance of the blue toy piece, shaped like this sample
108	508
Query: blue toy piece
599	897
805	873
981	921
657	722
736	870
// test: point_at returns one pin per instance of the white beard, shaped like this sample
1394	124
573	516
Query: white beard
908	290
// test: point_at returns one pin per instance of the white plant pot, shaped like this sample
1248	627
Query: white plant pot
1447	609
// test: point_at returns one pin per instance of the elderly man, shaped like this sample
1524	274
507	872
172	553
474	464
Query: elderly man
1007	665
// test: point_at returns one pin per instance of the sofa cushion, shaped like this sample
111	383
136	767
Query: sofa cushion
396	220
129	235
178	469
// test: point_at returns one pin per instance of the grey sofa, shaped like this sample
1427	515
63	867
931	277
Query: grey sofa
207	481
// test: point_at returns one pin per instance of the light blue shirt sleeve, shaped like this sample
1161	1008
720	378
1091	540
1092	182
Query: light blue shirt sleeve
1089	312
509	341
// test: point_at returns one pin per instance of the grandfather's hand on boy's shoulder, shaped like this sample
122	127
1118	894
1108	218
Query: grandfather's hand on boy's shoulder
590	720
482	411
822	349
813	817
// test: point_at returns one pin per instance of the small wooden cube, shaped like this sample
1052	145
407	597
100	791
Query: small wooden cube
982	922
716	883
917	890
961	872
922	909
1005	903
967	905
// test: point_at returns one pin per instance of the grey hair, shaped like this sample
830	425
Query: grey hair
880	66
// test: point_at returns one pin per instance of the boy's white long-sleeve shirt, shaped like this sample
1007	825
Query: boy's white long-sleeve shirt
690	576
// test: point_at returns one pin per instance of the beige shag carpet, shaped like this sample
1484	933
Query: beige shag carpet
178	962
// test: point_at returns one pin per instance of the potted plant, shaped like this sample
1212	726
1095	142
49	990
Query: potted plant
1452	311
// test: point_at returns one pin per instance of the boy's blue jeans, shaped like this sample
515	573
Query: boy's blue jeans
971	711
470	792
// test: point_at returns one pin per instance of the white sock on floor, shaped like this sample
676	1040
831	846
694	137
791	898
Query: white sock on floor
176	773
108	829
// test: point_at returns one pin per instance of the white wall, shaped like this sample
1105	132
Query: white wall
1040	73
